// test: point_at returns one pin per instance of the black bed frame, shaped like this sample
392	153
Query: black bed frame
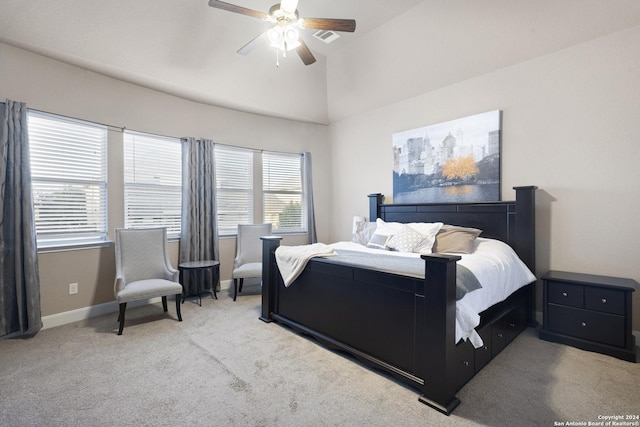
403	325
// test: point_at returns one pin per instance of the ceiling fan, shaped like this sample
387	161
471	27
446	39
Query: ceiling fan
284	34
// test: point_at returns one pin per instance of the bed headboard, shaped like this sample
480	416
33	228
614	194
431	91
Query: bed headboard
512	222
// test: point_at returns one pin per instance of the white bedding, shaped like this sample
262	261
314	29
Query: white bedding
291	260
497	268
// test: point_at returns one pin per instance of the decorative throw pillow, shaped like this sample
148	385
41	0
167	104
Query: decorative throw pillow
455	239
379	241
406	240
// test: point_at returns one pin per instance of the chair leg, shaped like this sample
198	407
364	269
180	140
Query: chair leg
178	296
241	283
235	288
123	307
164	303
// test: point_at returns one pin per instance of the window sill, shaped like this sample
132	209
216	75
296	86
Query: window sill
74	246
274	233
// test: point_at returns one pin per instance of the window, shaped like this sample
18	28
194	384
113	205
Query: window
152	182
234	188
258	187
69	180
282	191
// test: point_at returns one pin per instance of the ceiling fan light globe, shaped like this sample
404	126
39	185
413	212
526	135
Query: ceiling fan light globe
291	35
275	35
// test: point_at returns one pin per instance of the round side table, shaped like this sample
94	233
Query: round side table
198	268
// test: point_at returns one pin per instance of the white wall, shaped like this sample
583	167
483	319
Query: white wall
48	85
570	122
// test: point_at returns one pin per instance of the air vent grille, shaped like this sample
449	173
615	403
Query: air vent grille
326	36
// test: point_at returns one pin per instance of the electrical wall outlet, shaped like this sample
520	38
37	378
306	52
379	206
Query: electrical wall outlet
73	288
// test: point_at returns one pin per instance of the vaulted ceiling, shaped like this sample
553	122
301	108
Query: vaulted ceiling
401	47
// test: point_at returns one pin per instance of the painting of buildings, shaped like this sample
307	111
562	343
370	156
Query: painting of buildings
454	161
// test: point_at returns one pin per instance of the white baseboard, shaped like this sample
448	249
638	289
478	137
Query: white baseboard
71	316
63	318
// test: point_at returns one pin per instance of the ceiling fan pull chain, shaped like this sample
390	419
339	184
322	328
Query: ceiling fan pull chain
278	58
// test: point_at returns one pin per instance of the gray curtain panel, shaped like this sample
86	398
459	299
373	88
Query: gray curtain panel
308	191
199	233
19	278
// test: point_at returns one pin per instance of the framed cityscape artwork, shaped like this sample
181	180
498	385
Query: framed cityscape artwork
455	161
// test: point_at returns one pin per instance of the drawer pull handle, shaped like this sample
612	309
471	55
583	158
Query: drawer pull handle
499	335
604	300
564	294
485	347
512	325
465	363
583	323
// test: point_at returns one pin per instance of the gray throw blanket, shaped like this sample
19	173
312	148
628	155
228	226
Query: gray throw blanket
466	281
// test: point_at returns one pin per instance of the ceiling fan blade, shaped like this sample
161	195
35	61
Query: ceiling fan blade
348	25
305	54
247	48
237	9
289	6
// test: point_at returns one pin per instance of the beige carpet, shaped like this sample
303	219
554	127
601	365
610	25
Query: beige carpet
224	367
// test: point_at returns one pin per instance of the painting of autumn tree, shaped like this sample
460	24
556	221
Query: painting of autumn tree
455	161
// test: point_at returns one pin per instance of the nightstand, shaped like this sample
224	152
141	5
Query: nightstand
589	312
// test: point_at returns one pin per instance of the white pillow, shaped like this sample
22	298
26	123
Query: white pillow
429	230
406	240
364	232
426	228
388	228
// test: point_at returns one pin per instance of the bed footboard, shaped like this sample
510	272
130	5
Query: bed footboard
421	355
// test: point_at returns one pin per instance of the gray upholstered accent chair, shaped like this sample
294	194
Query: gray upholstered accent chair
248	261
143	269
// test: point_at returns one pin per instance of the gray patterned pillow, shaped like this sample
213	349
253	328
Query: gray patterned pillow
406	240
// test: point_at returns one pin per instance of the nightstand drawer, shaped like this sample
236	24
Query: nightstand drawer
589	325
566	294
605	300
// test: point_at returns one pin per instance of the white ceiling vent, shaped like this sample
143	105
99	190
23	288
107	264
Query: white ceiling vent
326	36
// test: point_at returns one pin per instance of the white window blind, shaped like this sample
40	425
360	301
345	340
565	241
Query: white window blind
152	182
282	191
234	188
69	180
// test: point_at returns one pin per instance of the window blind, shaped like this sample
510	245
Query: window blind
234	188
69	180
152	182
282	191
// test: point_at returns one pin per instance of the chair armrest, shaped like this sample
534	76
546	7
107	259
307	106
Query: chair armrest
118	285
172	274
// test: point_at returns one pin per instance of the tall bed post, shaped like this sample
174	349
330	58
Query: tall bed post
526	239
375	200
269	270
436	338
526	225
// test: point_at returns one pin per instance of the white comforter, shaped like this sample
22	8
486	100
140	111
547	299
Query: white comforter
497	268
